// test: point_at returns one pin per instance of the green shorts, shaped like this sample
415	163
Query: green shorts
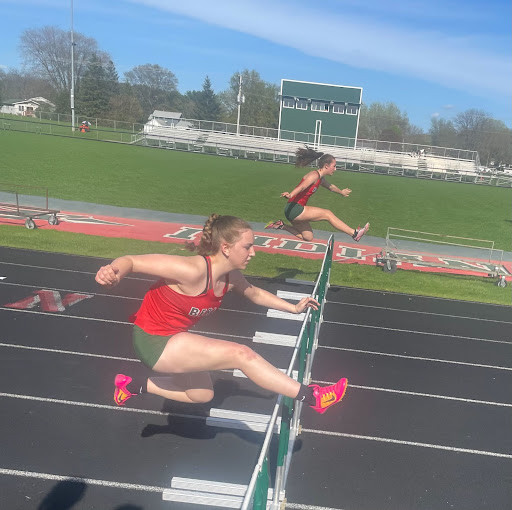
292	210
148	347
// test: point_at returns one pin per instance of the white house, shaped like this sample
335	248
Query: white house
160	119
27	107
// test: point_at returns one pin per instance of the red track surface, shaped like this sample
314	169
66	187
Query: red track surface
267	241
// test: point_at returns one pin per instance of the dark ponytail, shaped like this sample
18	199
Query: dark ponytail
305	156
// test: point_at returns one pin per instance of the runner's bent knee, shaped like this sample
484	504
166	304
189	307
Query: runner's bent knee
200	396
243	355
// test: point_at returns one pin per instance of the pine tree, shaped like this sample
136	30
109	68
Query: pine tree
94	95
112	79
207	105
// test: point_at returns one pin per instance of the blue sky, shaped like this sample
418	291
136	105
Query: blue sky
431	58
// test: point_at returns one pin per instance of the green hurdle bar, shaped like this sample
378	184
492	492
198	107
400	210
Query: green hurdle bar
307	341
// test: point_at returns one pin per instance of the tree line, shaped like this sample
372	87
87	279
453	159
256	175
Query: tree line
99	92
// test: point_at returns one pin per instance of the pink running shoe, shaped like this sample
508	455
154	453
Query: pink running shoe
121	393
278	224
328	395
360	232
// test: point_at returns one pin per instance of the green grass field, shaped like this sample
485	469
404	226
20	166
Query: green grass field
158	179
181	182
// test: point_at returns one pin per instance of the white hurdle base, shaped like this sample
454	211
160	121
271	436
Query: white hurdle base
240	420
205	492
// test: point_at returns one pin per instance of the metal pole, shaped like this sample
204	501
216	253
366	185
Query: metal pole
72	73
239	101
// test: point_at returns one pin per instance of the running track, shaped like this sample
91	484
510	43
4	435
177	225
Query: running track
426	423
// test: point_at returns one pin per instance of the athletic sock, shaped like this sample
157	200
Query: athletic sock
306	395
354	235
138	385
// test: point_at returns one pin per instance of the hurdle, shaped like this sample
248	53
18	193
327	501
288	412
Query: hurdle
17	209
303	354
451	253
284	423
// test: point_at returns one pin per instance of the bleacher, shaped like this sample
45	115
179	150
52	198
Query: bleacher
426	165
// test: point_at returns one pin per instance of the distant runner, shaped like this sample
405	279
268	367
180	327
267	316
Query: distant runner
299	214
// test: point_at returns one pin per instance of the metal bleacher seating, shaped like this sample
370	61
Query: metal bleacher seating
272	149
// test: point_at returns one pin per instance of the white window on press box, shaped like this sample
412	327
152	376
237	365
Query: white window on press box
302	104
319	106
352	109
288	102
338	108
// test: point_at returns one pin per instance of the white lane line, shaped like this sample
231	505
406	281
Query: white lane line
238	373
418	332
61	351
426	395
410	443
98	406
416	296
420	312
420	358
89	481
72	291
71	270
8	309
233	372
54	314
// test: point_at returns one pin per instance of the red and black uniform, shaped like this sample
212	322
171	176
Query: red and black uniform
165	312
303	197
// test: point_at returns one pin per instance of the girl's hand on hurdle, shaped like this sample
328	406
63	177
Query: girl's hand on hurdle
286	194
108	276
307	302
346	192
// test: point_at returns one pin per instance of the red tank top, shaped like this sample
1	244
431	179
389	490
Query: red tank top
303	197
167	312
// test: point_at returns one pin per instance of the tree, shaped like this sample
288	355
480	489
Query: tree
495	144
154	86
47	53
96	90
443	133
112	79
378	121
207	106
2	78
125	107
22	85
261	106
470	125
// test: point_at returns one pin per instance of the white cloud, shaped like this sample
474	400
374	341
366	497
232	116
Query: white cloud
459	62
435	115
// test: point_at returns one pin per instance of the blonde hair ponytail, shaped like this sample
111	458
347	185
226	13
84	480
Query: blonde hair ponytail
216	230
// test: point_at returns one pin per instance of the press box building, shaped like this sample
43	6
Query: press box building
319	113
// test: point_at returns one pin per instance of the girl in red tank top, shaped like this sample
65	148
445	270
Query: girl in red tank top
190	288
167	312
299	214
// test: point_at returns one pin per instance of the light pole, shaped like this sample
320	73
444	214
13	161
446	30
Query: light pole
240	99
72	73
